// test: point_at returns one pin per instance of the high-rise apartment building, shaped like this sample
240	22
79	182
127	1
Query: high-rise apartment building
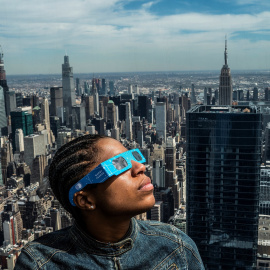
223	184
225	82
69	99
161	120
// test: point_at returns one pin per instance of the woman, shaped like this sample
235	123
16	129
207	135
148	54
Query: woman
103	186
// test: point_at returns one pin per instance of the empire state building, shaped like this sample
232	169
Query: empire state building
225	82
3	80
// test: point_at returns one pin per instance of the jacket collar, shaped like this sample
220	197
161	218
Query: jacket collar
88	244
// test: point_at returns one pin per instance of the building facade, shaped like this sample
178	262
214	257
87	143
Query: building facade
223	184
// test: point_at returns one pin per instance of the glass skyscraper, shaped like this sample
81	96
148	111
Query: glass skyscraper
223	183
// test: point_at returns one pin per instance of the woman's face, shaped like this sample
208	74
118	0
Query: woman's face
129	193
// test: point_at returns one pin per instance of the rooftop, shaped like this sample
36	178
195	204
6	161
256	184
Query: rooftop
224	109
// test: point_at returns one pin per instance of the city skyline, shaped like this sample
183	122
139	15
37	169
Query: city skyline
119	36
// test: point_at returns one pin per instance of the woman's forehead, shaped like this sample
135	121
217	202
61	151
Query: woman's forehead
110	148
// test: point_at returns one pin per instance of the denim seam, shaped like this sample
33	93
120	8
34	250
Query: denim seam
58	251
192	251
161	235
33	257
171	256
36	259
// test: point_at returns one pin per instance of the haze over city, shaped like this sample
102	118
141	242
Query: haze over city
119	36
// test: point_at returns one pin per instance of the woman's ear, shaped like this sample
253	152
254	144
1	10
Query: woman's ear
84	200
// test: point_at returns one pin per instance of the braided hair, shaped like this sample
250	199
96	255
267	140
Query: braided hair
72	162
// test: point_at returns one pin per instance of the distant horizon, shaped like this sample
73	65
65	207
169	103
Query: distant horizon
130	72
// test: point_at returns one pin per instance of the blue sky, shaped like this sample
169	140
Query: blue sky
117	35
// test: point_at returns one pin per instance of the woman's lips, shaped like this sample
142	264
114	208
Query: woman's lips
146	185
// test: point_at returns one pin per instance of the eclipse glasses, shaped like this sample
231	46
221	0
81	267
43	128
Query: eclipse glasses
113	166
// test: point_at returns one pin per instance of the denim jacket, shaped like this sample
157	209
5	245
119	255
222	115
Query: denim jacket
148	245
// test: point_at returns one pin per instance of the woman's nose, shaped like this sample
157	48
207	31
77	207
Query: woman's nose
137	168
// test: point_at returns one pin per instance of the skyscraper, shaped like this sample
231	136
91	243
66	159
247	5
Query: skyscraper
171	179
128	121
225	82
35	146
95	95
266	93
78	87
21	119
193	96
161	120
144	104
255	94
3	81
19	142
111	86
103	87
89	107
78	113
56	108
68	88
130	89
223	182
111	114
3	119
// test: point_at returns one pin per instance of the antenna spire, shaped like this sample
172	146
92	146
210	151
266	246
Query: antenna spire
226	53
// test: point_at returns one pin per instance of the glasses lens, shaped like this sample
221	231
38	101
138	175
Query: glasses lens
119	163
137	156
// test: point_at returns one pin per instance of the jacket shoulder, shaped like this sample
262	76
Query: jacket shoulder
37	253
150	227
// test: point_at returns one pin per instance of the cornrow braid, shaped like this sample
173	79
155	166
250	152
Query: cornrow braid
71	163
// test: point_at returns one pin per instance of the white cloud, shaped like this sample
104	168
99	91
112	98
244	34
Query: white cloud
104	32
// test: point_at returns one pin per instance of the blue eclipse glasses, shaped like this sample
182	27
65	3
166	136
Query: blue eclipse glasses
113	166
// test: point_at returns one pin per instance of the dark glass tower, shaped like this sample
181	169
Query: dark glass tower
144	104
225	82
223	183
